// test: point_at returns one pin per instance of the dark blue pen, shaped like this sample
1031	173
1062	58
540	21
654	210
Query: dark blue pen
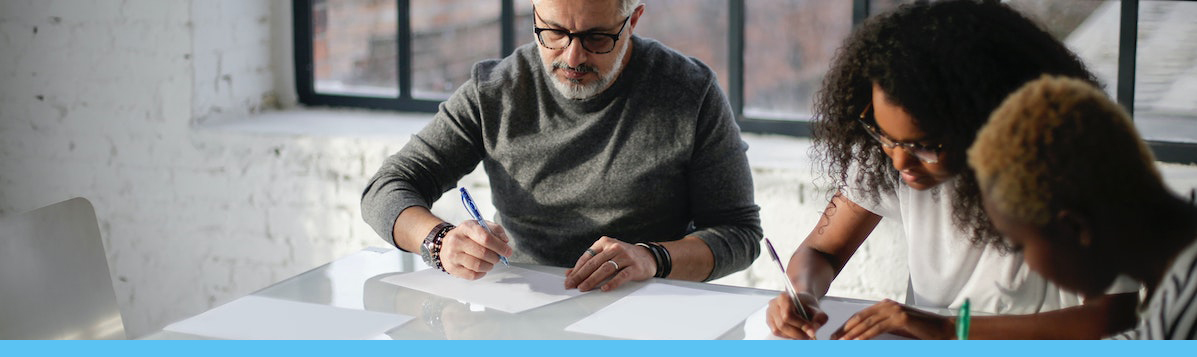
468	202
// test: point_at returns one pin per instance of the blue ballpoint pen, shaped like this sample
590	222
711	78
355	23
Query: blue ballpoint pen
468	202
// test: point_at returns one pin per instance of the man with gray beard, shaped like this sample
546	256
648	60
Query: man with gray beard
607	153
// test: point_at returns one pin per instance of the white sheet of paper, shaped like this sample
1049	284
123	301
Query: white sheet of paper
669	312
838	312
263	318
507	289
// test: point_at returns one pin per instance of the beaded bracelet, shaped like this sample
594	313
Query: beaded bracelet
437	240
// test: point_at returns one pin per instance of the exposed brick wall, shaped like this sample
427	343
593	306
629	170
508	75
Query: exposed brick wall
101	100
231	58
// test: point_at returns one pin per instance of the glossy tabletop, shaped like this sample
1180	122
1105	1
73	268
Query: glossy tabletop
355	282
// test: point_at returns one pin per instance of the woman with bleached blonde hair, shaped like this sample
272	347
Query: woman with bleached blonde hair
1066	179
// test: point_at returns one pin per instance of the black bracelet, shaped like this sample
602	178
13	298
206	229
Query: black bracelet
666	258
656	257
661	256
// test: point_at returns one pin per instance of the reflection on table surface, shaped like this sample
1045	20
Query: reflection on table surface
355	282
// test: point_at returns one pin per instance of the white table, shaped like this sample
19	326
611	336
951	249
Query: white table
354	282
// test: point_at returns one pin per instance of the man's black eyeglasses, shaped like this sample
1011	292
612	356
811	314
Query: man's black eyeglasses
594	42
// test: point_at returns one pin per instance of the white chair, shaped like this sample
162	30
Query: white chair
54	279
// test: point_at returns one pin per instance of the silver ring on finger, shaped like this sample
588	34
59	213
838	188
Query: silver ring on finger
591	251
614	263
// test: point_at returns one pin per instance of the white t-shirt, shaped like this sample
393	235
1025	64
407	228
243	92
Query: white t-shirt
945	267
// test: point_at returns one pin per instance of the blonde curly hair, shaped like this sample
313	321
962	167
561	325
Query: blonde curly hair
1061	143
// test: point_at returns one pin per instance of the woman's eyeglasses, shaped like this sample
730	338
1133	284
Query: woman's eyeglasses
925	153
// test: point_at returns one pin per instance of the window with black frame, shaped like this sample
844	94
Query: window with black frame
770	55
349	52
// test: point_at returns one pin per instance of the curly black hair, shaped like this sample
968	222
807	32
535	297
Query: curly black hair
948	64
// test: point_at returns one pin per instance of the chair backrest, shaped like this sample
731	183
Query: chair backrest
54	279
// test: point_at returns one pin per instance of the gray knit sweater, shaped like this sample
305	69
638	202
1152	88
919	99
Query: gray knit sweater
655	157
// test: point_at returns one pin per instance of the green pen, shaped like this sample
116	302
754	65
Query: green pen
962	321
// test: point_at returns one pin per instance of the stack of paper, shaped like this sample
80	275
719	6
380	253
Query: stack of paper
669	312
263	318
509	289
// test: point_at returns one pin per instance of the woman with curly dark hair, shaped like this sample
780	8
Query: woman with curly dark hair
901	103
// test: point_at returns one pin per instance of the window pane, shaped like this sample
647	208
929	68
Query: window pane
1088	28
788	45
880	6
523	23
448	37
354	48
1166	68
696	28
1166	80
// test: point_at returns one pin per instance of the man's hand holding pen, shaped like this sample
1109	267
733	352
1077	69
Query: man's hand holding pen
470	251
611	261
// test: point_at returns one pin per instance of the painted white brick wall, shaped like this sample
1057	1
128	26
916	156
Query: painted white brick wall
232	58
141	106
101	99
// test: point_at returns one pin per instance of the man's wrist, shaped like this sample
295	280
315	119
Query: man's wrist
653	254
660	256
430	248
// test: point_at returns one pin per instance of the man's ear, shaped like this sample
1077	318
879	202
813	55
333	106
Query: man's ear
1073	226
636	16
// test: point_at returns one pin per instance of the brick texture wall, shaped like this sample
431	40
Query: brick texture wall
103	100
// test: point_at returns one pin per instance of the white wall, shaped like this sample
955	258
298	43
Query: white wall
100	99
231	59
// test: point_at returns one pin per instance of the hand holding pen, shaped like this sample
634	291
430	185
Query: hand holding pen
473	248
468	202
793	314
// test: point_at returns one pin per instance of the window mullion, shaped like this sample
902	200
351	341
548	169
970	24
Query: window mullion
404	39
860	11
735	60
507	28
1128	33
